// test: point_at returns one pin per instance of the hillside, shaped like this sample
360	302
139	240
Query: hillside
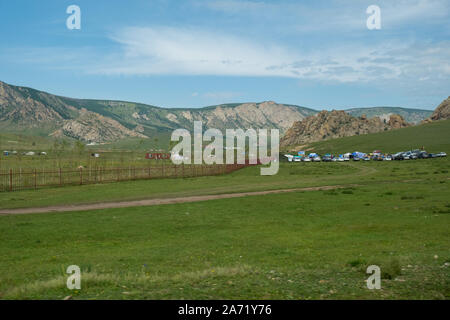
28	111
410	115
442	112
432	136
336	124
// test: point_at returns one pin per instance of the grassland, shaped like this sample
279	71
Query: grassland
301	245
432	136
291	246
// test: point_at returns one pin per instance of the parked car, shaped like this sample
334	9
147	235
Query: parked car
397	156
306	159
377	157
405	156
423	155
387	158
316	159
441	154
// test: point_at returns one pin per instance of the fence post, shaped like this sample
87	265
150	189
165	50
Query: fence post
10	179
81	176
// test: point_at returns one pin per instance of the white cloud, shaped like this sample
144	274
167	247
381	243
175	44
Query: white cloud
164	50
177	51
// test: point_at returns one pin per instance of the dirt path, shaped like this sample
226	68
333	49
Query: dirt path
154	202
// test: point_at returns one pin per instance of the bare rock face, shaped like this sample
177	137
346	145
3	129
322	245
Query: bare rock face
336	124
92	127
266	114
396	122
23	110
442	112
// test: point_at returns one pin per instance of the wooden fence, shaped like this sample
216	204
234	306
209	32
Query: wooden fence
25	179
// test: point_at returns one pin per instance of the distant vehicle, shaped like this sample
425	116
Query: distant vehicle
432	155
397	156
423	155
334	159
327	158
346	158
376	153
355	158
366	158
341	159
6	153
297	158
387	158
289	157
316	159
306	159
441	154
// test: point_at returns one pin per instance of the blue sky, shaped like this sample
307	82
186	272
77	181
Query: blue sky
195	53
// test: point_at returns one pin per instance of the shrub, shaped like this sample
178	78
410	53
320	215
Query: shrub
391	270
356	262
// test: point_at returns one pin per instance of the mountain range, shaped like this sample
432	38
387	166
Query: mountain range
29	111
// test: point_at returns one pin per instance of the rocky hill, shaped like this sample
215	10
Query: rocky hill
336	124
442	112
29	111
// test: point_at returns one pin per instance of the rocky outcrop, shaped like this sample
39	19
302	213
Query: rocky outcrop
336	124
92	127
442	112
26	110
396	122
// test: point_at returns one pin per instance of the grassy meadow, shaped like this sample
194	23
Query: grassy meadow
307	245
299	245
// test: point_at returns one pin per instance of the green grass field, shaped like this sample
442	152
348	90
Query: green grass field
432	136
307	245
300	245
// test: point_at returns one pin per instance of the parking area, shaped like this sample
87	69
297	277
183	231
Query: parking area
376	155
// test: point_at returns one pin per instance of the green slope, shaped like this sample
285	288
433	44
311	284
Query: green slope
433	136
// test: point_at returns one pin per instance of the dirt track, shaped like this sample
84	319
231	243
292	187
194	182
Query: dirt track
154	202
